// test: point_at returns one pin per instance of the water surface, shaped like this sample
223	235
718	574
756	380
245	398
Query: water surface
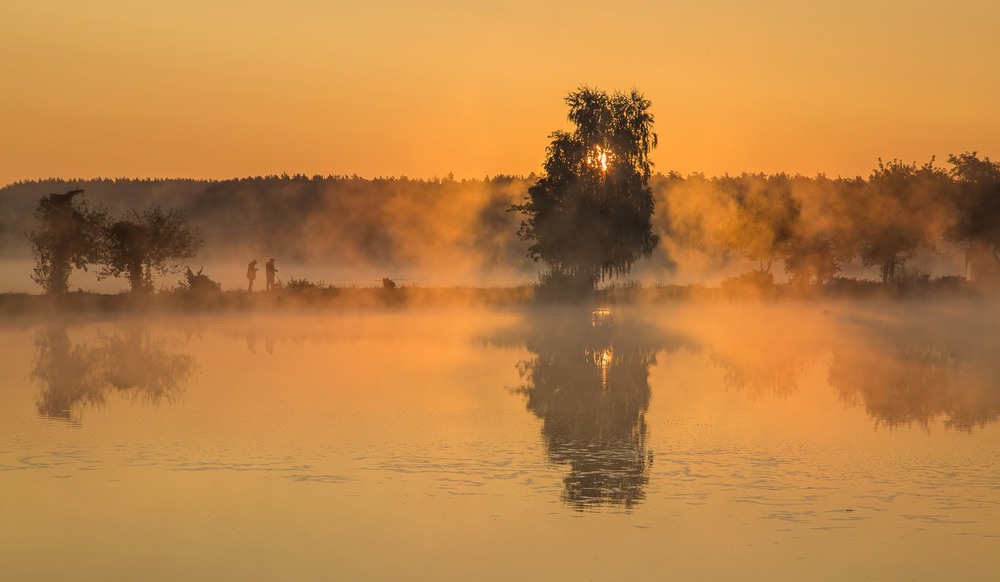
811	441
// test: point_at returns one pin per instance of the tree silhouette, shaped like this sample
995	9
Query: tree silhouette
902	205
824	234
69	236
142	243
766	215
815	258
977	218
589	216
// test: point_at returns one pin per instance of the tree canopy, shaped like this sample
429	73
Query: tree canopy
589	216
68	236
141	243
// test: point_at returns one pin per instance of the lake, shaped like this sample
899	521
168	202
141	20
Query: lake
815	440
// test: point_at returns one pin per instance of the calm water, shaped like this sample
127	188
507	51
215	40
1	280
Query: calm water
819	442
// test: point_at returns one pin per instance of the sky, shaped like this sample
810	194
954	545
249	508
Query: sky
231	88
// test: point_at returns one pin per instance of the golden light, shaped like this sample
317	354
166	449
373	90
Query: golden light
600	316
603	360
599	158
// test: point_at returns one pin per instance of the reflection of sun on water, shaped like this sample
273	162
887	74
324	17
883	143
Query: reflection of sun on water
604	359
600	316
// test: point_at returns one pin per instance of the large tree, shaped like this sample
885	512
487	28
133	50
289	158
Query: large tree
68	236
140	243
589	216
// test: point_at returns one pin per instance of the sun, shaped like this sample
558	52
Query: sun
599	157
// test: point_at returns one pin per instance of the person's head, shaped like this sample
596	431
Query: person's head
253	262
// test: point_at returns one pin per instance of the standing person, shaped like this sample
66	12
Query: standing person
269	271
251	274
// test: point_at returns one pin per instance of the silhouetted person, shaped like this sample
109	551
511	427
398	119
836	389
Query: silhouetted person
269	271
251	274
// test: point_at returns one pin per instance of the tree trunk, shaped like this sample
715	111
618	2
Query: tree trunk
135	278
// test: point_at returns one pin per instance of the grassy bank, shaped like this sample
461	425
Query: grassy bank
320	297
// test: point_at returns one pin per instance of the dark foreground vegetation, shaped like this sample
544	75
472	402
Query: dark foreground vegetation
318	297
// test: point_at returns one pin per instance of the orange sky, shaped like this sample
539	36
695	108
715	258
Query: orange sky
224	88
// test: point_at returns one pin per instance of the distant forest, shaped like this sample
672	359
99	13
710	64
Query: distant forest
347	221
808	228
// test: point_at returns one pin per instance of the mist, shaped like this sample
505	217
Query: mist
336	230
903	223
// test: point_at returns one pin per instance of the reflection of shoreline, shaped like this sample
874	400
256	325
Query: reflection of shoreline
922	371
130	364
904	365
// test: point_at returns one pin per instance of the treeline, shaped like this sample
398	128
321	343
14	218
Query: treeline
809	228
814	227
348	221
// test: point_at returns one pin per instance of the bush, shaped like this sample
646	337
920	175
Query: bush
299	285
753	282
199	283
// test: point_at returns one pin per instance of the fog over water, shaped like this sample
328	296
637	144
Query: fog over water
820	440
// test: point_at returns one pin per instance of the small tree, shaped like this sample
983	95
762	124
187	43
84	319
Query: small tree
199	283
903	204
589	216
141	243
765	217
68	236
815	258
976	224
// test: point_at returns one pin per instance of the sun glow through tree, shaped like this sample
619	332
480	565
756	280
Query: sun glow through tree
589	217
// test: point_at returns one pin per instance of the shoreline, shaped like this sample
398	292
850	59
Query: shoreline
320	298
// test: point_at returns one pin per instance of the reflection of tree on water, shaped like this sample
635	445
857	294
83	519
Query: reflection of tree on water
763	353
765	377
66	374
919	372
131	364
904	364
588	381
904	382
